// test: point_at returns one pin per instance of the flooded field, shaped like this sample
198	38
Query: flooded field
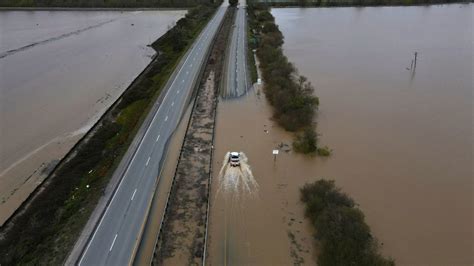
59	71
401	139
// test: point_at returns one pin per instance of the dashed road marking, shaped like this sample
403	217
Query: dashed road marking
166	118
157	138
133	195
147	161
172	103
113	242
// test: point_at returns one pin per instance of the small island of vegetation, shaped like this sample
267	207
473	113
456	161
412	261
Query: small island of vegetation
344	237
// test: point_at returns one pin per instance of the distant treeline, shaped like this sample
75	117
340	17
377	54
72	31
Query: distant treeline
344	237
329	3
103	3
45	230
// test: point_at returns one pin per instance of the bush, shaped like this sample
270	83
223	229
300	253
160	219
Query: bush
306	142
341	229
324	151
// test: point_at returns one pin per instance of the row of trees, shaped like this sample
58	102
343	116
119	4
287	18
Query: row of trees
290	94
103	3
48	227
341	230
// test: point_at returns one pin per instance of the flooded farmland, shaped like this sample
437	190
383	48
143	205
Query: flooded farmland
59	71
401	139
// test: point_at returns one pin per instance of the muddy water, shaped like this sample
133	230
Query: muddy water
402	141
59	71
254	226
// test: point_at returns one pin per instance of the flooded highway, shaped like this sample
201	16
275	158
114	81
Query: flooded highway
401	139
59	71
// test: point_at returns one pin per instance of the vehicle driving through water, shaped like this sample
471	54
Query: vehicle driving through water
234	159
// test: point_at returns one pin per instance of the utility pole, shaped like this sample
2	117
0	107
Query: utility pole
416	54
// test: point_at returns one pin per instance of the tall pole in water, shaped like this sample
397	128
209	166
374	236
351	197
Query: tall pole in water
416	54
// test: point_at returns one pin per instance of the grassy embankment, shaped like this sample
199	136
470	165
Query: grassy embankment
45	231
290	94
344	237
335	3
103	4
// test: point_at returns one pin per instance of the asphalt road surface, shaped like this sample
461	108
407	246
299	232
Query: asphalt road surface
237	82
116	235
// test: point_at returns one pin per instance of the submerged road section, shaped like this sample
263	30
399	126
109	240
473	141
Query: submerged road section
117	234
236	81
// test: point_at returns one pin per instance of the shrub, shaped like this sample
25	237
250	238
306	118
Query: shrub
306	142
341	229
324	151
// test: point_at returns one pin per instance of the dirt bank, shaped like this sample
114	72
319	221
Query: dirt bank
182	236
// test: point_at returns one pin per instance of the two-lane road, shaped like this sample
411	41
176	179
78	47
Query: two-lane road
237	82
116	235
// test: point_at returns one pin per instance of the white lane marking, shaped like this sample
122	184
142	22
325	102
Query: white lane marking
194	58
191	65
166	118
177	92
131	162
133	195
172	103
187	72
157	138
182	81
113	242
147	161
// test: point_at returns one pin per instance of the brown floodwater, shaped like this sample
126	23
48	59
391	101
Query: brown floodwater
401	139
59	71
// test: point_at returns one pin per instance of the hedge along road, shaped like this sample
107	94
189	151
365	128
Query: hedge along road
117	233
